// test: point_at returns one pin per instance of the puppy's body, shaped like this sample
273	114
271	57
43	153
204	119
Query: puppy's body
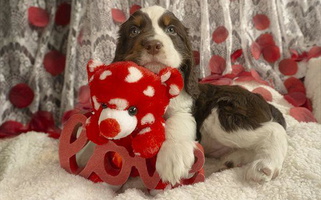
155	38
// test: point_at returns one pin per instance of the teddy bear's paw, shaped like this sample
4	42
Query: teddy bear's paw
175	160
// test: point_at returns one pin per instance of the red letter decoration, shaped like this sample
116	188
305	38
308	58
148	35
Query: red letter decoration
100	168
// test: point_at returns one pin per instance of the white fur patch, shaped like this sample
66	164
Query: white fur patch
120	104
104	75
149	91
93	65
173	90
96	104
147	119
165	77
144	130
134	75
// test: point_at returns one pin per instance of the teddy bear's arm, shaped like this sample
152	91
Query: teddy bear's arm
149	140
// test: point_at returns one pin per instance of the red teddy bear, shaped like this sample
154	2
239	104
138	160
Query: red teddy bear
129	102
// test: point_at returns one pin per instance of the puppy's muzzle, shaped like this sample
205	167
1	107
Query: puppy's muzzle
153	47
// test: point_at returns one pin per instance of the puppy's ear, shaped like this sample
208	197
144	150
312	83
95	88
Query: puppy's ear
172	78
93	66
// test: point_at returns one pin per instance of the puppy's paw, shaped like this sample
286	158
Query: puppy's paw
174	160
262	170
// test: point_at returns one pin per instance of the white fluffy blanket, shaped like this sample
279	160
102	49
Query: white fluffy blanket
29	169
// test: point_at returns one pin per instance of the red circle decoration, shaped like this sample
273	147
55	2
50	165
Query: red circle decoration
265	40
42	121
256	50
217	64
302	114
293	84
54	62
118	15
271	53
296	98
21	95
134	8
266	94
314	52
288	67
261	22
38	17
220	34
63	14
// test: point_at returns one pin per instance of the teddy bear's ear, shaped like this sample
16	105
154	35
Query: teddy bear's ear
93	66
173	79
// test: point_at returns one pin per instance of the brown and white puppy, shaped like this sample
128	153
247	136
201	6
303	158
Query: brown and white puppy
232	124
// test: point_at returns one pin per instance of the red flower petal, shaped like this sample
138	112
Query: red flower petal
21	95
236	69
296	98
245	78
314	52
217	64
302	114
222	81
257	77
63	14
196	55
54	62
294	85
236	55
265	40
308	104
210	78
10	128
118	15
264	92
38	17
261	22
256	50
42	121
134	8
271	53
220	34
288	67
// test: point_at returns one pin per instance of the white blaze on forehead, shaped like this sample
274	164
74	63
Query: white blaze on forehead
171	56
94	64
134	75
120	104
149	91
165	76
105	74
173	90
96	104
147	119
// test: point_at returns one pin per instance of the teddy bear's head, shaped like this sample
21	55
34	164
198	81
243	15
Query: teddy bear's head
127	97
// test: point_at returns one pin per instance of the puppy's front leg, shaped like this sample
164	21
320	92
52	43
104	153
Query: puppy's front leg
176	156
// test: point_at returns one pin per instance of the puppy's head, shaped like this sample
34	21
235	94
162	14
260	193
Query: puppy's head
154	38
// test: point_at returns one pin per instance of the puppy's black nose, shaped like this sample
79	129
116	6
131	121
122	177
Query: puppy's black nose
153	46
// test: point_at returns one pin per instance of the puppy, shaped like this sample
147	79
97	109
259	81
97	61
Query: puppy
154	38
232	124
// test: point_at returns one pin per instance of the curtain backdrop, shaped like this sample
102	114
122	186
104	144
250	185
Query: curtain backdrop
45	45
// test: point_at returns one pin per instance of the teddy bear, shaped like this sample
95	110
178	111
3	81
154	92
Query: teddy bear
129	102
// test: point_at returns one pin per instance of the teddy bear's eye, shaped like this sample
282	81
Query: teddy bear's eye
103	105
132	110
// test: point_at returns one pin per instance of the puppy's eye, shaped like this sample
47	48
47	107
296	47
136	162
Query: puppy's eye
134	31
170	30
132	110
103	105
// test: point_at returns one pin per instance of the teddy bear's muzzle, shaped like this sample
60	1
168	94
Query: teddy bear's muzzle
109	128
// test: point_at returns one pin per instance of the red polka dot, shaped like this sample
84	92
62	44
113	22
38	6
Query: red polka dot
296	98
302	114
21	95
271	53
38	17
265	40
134	8
220	34
196	55
256	50
288	67
217	64
293	84
314	52
264	92
118	15
63	14
236	54
261	22
54	62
